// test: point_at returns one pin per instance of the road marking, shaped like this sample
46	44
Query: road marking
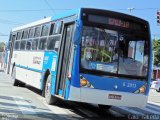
155	107
24	106
131	110
117	114
150	110
88	113
55	109
154	103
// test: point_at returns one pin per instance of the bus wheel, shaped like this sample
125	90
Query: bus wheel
50	99
13	76
104	107
158	90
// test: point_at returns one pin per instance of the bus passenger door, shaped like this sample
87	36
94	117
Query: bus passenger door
64	58
10	52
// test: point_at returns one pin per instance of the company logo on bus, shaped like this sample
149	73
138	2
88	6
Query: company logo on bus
37	60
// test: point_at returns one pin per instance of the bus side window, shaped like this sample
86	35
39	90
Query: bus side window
17	45
23	44
29	44
25	34
31	33
53	42
37	31
45	30
34	44
51	29
57	28
42	43
19	34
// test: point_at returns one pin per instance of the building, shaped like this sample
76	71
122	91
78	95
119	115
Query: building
156	73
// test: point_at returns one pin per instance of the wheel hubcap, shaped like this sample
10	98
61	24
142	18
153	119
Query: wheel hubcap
48	89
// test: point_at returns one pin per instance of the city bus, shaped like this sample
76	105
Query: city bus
86	55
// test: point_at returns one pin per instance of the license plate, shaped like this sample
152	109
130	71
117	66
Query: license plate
114	96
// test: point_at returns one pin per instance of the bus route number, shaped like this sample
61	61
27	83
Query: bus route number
129	85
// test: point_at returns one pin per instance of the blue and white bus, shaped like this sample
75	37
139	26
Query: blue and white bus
86	55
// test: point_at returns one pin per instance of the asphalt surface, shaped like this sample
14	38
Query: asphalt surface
26	103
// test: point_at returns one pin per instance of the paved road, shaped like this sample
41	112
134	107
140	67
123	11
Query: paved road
27	103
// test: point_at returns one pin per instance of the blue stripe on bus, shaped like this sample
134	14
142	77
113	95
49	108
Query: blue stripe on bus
67	89
53	84
149	69
28	68
49	58
77	33
60	92
75	70
106	83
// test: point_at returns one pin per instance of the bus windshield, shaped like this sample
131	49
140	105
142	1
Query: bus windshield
114	52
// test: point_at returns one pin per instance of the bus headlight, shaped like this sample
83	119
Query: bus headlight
141	90
85	83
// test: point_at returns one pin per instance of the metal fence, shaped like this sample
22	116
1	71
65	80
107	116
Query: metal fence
2	55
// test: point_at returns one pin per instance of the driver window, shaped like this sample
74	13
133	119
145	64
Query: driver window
139	51
99	49
131	49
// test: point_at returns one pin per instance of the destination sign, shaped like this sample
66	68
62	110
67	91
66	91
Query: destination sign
117	22
108	20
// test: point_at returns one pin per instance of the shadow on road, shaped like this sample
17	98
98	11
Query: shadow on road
1	70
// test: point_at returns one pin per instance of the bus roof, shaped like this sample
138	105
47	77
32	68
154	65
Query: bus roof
72	12
45	20
32	24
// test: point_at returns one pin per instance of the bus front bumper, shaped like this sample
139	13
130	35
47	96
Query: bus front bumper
104	97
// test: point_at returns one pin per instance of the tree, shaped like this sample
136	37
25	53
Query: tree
2	45
156	51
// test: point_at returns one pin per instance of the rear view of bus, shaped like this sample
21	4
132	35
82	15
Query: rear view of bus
115	59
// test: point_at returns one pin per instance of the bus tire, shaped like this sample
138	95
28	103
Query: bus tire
50	99
158	90
21	84
104	107
13	76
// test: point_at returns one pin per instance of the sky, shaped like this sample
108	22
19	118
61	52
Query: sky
14	13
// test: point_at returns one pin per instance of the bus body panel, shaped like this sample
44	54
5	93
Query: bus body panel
32	66
28	67
67	89
75	71
50	63
97	96
114	84
77	34
150	67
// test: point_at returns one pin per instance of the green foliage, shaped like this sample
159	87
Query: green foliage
156	51
2	45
